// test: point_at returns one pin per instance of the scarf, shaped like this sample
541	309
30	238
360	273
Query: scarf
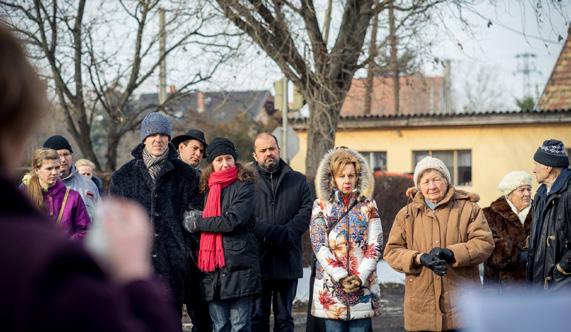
154	164
210	250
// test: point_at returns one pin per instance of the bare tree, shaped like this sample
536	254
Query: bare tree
96	55
483	91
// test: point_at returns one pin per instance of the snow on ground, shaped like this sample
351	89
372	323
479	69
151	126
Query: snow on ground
385	274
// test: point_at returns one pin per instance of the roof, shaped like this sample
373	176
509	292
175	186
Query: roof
377	121
417	94
557	91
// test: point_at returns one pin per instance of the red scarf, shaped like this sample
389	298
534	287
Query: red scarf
211	251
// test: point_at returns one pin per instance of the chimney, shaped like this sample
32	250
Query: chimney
200	101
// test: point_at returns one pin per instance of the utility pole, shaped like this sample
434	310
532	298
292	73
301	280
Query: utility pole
284	120
163	62
394	57
447	86
526	67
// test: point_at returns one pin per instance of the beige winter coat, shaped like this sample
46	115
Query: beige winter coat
457	223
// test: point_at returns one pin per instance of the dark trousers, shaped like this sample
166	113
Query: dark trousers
196	307
279	294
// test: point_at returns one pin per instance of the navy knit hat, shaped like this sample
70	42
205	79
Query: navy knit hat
552	153
155	123
220	146
57	142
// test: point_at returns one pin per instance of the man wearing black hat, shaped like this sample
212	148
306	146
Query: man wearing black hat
549	262
191	147
71	178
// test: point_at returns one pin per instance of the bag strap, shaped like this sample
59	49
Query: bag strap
60	215
362	198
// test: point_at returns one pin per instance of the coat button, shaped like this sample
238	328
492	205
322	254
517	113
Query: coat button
157	214
154	255
156	235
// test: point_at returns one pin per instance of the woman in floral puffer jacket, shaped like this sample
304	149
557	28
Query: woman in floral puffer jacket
346	235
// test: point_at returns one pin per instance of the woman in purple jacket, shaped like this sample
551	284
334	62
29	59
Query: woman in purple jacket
63	205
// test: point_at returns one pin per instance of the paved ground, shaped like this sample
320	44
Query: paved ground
391	319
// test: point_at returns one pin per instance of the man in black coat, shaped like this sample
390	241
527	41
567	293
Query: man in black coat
165	186
549	261
283	211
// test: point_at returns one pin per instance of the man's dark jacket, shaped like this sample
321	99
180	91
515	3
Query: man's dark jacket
550	240
174	191
283	212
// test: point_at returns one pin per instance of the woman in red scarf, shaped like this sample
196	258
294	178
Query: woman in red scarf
227	255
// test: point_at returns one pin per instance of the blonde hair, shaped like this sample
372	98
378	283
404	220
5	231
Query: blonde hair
341	158
85	162
33	187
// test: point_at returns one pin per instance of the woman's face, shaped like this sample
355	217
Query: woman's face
346	179
433	185
521	197
223	162
48	173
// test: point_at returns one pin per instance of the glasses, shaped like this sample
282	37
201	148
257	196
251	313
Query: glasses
437	181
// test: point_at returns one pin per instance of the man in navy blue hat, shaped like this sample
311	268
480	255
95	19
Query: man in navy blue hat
549	262
191	146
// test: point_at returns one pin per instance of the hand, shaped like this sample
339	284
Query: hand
522	257
350	284
121	239
434	263
190	220
443	253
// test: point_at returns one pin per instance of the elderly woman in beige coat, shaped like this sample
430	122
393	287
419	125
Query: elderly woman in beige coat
437	240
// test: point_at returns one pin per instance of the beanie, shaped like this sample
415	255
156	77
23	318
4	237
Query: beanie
430	163
552	153
220	146
512	180
155	123
57	142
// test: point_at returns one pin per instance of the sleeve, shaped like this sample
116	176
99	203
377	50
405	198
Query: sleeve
564	265
479	244
81	219
235	217
114	188
374	238
397	254
320	244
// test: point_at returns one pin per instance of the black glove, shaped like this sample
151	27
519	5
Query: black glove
434	263
522	257
190	219
443	253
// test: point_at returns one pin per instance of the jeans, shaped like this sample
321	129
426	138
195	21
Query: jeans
357	325
278	294
231	315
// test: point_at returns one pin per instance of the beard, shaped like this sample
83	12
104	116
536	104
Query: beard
270	164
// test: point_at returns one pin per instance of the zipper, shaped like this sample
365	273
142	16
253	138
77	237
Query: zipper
348	263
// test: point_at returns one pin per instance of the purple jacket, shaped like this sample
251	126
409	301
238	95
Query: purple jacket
75	219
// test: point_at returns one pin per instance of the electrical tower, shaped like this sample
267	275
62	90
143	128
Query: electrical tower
526	67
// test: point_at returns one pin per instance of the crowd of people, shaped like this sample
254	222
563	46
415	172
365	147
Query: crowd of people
225	240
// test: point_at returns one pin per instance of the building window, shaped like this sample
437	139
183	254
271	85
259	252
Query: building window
458	162
377	160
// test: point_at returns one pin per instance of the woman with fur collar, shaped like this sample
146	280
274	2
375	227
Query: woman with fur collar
345	232
510	222
437	240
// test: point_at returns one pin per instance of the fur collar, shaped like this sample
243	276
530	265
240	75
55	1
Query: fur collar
323	188
414	194
501	207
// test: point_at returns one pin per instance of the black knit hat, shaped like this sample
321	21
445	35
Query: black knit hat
190	134
57	142
552	153
220	146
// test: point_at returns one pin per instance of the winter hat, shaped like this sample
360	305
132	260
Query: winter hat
552	153
190	134
430	163
512	180
57	142
220	146
155	123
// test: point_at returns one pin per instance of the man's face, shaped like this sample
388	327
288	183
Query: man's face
541	172
85	171
65	160
266	152
191	152
157	144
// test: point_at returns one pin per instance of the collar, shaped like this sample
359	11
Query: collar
520	215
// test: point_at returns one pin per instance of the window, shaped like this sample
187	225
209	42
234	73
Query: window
458	162
377	160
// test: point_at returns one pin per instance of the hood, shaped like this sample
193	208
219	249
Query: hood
323	189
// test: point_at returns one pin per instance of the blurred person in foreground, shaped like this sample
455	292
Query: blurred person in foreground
437	240
509	219
47	282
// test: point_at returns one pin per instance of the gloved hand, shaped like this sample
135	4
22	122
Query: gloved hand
522	257
190	218
350	284
434	263
444	254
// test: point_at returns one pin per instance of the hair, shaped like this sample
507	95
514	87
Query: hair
33	187
244	175
85	162
22	93
341	158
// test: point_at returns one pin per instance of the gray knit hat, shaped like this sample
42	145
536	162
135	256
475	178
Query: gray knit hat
552	153
430	163
155	123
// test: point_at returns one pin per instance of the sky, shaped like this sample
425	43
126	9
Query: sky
514	30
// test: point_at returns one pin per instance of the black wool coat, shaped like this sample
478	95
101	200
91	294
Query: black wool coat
174	191
283	212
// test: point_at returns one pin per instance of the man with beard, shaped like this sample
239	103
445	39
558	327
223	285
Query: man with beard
283	211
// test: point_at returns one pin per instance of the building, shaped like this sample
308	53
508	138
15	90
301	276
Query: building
478	148
557	92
